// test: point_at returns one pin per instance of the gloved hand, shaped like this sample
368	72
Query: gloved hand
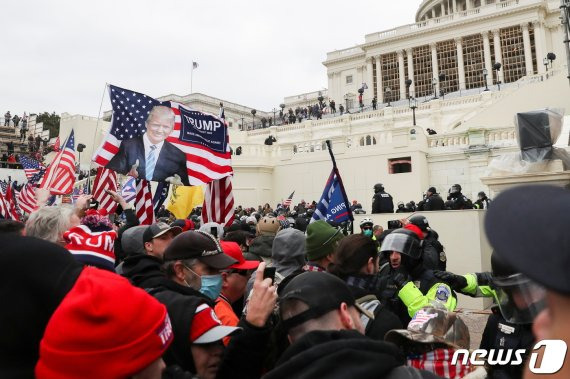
456	282
484	278
401	277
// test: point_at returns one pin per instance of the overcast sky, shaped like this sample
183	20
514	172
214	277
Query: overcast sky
57	55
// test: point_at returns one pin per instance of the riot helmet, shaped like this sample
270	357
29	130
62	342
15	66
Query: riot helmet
520	299
456	188
379	187
420	221
402	241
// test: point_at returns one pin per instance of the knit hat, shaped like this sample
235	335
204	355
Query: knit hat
207	327
321	240
92	248
97	220
101	331
268	226
132	240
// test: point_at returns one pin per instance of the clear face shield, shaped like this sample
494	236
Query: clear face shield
520	299
402	244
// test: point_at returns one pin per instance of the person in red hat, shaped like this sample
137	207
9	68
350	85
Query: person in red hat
234	279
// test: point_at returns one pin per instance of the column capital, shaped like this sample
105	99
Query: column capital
537	24
458	40
485	34
433	45
524	26
400	53
496	32
409	51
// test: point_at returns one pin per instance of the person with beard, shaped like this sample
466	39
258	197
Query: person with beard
323	324
356	261
397	287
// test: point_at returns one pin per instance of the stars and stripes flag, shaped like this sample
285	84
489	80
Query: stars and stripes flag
105	180
31	166
287	201
129	190
27	198
7	203
202	137
76	193
56	144
160	195
219	202
60	174
143	203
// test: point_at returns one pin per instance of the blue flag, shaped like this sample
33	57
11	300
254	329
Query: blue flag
160	195
333	205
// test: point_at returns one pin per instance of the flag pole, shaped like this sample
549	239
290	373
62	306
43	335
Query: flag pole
96	129
329	147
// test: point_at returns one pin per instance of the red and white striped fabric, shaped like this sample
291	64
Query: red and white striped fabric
60	174
287	202
105	179
27	199
202	163
143	203
56	144
219	202
439	361
7	205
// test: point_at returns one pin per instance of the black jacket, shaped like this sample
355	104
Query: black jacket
433	203
131	221
382	202
170	161
342	354
144	271
433	254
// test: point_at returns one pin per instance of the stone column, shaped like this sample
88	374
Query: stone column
454	6
468	5
369	93
487	54
432	12
539	43
411	72
498	54
442	8
527	49
379	91
460	64
435	68
402	75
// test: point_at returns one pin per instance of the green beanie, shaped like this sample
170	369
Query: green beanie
321	240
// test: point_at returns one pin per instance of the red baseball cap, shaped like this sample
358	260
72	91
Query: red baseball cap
207	327
233	250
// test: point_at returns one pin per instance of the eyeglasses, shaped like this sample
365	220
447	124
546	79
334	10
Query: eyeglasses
366	228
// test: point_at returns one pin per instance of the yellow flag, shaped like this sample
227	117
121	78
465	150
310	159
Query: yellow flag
183	199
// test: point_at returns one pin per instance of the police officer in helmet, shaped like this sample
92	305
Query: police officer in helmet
433	253
408	286
456	200
382	201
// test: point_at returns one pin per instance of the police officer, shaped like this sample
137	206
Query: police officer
432	201
402	208
433	253
456	200
382	202
408	286
543	256
482	201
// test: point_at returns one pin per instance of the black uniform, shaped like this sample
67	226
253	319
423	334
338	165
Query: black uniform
432	203
458	201
500	334
382	202
433	253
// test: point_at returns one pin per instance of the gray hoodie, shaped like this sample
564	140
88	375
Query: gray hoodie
288	251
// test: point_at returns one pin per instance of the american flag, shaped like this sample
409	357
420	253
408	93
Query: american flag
129	190
105	180
143	203
287	202
205	161
420	319
60	174
27	198
31	166
219	202
7	203
56	144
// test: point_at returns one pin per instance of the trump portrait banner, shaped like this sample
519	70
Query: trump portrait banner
164	141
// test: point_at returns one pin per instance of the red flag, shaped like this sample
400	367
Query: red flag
105	180
219	202
143	203
7	204
60	174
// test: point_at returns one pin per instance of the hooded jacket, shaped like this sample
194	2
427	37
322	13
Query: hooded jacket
342	354
262	245
288	251
143	271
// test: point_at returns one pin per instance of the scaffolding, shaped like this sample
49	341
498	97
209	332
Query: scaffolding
447	63
423	73
512	50
474	61
390	76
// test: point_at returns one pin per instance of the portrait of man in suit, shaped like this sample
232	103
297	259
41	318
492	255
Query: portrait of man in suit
150	156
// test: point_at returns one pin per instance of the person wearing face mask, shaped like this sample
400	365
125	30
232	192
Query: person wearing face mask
366	227
192	263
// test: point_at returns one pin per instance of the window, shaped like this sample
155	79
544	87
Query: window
349	79
422	71
474	61
390	77
512	49
400	165
447	62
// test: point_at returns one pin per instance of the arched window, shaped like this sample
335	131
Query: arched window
361	141
294	149
368	141
374	140
324	145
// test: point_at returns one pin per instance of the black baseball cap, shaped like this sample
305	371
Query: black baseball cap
322	292
158	229
528	228
199	245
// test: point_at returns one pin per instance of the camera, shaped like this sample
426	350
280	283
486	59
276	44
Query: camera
394	224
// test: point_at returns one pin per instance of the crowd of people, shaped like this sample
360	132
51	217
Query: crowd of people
274	295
